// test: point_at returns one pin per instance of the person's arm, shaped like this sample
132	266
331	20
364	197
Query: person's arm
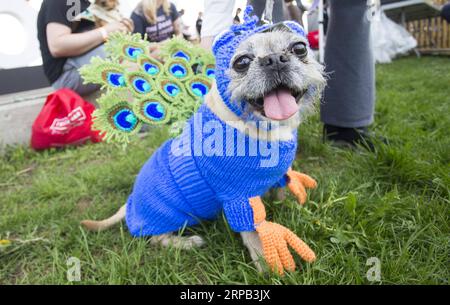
218	16
63	43
139	23
177	27
176	20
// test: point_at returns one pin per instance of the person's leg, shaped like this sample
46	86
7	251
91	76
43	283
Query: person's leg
349	97
260	5
294	11
445	12
72	79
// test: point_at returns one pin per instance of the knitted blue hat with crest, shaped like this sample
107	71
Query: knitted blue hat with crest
225	45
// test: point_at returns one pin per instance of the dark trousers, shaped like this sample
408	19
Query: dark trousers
349	97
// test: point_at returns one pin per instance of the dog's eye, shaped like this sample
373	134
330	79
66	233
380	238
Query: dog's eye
242	63
299	49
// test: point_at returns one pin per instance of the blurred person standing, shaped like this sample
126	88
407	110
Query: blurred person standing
184	28
348	103
237	19
445	12
198	23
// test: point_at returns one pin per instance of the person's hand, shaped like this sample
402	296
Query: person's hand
124	26
298	183
155	51
128	23
275	239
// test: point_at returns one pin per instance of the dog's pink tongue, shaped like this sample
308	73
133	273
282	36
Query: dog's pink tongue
280	105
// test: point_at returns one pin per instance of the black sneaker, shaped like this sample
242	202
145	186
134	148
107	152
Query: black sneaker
351	137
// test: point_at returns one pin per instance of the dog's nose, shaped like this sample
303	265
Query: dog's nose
274	61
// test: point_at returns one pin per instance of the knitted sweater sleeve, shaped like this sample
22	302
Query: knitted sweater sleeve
282	182
239	215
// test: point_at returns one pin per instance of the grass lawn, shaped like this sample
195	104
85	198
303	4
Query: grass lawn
392	204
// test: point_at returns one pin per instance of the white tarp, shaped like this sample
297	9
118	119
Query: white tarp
389	39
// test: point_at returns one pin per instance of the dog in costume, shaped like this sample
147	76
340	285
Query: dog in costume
101	12
266	80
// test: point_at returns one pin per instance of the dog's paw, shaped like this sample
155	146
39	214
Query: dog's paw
280	194
180	242
196	241
252	242
260	265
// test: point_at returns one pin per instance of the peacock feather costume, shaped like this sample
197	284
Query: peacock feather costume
177	186
140	89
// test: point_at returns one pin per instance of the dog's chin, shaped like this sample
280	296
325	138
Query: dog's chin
280	104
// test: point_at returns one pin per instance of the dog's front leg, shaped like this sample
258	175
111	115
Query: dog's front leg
248	216
253	243
241	218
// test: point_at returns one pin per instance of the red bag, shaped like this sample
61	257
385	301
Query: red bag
313	38
64	120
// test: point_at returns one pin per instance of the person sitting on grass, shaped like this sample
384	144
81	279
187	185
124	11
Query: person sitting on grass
67	45
159	19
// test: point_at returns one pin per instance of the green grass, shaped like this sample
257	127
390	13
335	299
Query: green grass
392	204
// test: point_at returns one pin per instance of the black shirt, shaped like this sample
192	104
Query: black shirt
161	30
58	11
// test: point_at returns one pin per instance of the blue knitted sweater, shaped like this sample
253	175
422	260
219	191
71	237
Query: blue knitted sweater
179	187
181	184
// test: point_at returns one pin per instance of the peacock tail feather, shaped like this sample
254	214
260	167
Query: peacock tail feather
116	118
198	86
126	47
170	88
150	65
140	83
179	69
209	71
140	89
178	48
152	109
105	73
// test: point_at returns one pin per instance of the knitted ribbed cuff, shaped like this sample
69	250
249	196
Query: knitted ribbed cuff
239	215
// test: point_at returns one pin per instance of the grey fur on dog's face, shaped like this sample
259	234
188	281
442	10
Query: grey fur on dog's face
300	75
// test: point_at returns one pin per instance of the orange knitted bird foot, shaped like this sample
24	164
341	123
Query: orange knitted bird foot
298	183
275	240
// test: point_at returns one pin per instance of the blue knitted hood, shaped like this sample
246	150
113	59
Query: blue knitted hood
225	46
